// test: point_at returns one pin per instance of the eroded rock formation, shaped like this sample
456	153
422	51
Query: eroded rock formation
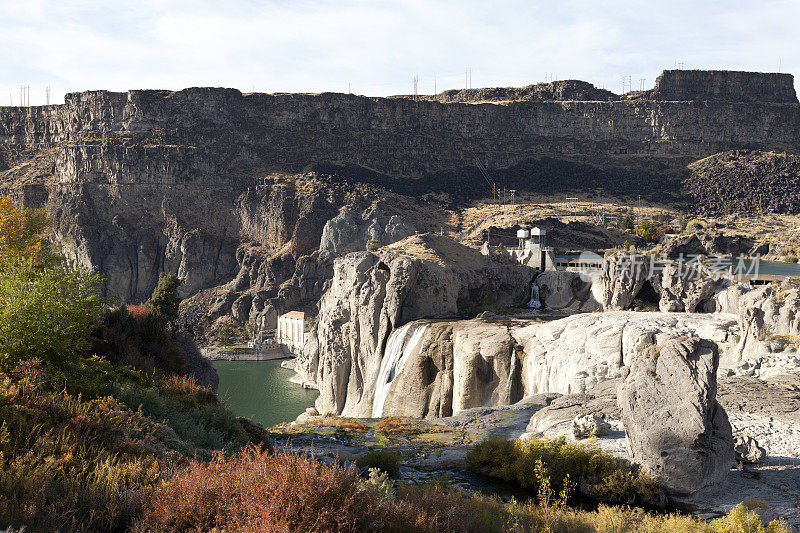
371	294
675	427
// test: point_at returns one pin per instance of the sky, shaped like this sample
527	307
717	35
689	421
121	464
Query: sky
376	47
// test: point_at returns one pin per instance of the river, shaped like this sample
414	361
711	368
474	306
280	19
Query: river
260	390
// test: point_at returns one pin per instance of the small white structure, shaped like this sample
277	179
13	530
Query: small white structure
291	331
532	250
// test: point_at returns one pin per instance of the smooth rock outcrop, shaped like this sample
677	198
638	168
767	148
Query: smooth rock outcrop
670	285
351	232
675	427
564	290
574	354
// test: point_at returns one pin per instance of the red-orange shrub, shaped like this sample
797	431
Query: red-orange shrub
137	311
259	491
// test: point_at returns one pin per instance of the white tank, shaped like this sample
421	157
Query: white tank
523	234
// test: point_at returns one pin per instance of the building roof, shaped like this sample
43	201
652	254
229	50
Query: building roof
298	315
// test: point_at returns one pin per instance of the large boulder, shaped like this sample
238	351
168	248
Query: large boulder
672	285
622	278
561	289
676	429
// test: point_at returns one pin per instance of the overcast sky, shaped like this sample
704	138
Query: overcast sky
376	47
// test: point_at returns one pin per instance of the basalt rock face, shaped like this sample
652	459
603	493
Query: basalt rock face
145	182
675	427
372	294
724	86
748	181
710	243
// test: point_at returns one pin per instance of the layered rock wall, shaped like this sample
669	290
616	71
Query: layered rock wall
725	86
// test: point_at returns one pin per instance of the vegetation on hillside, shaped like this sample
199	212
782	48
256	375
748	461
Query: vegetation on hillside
84	435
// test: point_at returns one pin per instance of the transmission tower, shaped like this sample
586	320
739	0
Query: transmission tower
416	86
47	94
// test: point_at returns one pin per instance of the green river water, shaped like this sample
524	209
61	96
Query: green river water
260	390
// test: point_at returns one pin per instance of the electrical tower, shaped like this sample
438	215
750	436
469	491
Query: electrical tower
626	82
416	86
47	95
468	78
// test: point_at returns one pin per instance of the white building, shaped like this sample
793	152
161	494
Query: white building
531	251
291	331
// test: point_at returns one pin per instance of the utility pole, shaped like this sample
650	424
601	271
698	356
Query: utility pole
626	80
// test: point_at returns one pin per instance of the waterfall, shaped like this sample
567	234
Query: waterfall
401	343
512	370
534	303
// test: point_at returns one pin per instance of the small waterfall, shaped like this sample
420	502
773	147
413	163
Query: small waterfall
534	303
401	343
512	371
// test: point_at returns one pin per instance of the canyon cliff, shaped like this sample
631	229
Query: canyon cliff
153	181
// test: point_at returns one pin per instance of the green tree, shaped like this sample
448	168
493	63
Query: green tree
165	298
46	311
47	308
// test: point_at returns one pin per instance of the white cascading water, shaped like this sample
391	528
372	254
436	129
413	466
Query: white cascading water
512	369
534	303
401	343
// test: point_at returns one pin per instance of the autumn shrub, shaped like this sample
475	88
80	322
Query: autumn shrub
207	425
69	463
382	459
259	491
598	474
21	232
136	311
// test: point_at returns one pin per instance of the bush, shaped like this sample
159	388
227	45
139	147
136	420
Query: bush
135	336
71	463
164	300
258	491
47	312
599	474
21	232
382	459
649	231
